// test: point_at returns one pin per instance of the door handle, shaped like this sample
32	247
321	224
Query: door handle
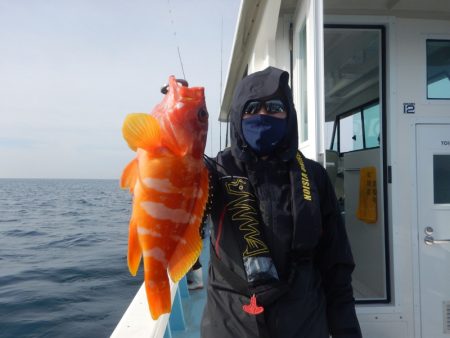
429	240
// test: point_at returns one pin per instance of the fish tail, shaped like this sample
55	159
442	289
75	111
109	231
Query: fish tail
188	251
134	249
157	288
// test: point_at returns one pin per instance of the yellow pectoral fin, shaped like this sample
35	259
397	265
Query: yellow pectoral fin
129	175
141	130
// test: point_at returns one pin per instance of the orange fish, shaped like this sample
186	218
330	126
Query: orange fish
169	184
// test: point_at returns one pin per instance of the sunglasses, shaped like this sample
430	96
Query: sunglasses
272	107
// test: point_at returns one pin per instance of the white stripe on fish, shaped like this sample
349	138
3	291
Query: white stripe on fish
162	212
160	184
165	185
144	231
179	239
157	254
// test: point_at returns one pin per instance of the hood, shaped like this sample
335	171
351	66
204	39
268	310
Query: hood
263	85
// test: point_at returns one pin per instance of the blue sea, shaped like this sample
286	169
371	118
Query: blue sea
63	246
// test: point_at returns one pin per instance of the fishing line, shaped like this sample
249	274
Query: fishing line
221	77
176	39
211	141
227	130
208	162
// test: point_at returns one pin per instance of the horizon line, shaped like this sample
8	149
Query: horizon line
58	178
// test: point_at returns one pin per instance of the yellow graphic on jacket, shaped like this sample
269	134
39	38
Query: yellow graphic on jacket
242	208
305	180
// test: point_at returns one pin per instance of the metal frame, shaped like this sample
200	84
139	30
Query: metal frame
383	142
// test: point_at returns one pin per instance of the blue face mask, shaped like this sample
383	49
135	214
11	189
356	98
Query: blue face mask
263	133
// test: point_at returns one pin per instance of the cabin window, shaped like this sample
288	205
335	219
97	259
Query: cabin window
354	104
438	69
441	179
358	130
303	87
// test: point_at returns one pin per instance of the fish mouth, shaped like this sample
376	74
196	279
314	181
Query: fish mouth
165	88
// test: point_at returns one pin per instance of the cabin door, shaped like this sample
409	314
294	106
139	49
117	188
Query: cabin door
433	184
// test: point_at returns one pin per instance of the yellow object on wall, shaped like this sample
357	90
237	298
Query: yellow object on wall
367	206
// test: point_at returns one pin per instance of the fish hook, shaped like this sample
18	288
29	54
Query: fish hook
165	88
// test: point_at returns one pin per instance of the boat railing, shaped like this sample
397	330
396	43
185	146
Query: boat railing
137	321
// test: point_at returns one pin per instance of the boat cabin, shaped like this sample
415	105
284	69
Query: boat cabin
371	85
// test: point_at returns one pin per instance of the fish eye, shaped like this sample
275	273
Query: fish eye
203	115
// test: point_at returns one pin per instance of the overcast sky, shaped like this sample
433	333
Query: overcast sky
71	70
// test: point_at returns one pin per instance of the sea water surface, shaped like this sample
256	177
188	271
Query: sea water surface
63	246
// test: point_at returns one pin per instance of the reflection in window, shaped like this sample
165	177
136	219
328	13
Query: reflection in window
372	126
303	86
351	137
438	69
329	133
441	179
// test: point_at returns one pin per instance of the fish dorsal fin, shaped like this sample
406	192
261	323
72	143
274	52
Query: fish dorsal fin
130	176
141	130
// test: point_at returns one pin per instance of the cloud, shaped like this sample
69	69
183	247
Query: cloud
72	70
17	143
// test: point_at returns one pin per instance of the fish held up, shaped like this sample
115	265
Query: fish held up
168	181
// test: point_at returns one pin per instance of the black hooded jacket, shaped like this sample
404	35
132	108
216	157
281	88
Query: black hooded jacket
278	214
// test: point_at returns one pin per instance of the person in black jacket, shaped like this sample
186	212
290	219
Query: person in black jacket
281	262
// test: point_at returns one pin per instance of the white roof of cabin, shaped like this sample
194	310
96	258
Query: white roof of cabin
252	19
